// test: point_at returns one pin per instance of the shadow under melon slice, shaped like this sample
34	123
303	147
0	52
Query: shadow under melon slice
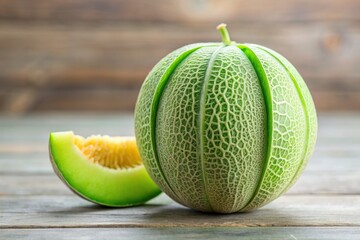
102	169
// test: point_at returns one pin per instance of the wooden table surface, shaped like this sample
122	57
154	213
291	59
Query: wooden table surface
35	204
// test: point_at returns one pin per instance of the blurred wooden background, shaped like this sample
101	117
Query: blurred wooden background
92	55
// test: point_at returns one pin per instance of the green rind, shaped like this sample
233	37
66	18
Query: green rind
267	97
178	138
234	137
201	126
154	108
104	186
145	113
309	109
193	82
288	138
185	152
307	128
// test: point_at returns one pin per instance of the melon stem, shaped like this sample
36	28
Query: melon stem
224	34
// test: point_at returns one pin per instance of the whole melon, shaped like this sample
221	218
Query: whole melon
225	127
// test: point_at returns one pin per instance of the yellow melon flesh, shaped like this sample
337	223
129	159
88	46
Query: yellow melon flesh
111	152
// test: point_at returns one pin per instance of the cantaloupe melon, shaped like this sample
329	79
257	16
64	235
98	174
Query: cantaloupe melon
225	127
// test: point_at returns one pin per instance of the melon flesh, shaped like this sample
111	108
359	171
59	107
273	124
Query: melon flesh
102	169
110	152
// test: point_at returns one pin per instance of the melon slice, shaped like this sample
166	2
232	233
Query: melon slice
102	169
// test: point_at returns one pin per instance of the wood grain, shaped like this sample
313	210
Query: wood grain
311	182
101	67
93	55
254	233
77	55
24	164
34	204
71	211
186	11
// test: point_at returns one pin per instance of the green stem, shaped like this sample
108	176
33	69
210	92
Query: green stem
224	34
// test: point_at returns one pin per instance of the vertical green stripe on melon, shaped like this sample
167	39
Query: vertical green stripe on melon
234	130
154	108
177	130
288	138
200	125
264	83
143	122
308	106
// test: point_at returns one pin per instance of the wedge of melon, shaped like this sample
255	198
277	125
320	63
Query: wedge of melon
102	169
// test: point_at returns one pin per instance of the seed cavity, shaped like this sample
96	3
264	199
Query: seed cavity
110	152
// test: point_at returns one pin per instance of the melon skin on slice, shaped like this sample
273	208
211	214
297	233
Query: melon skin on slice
102	169
225	127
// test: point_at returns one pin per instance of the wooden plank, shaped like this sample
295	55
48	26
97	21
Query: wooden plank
82	67
343	100
227	233
38	184
178	11
34	130
70	118
86	100
323	175
121	55
71	211
327	182
326	195
29	182
27	163
104	100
